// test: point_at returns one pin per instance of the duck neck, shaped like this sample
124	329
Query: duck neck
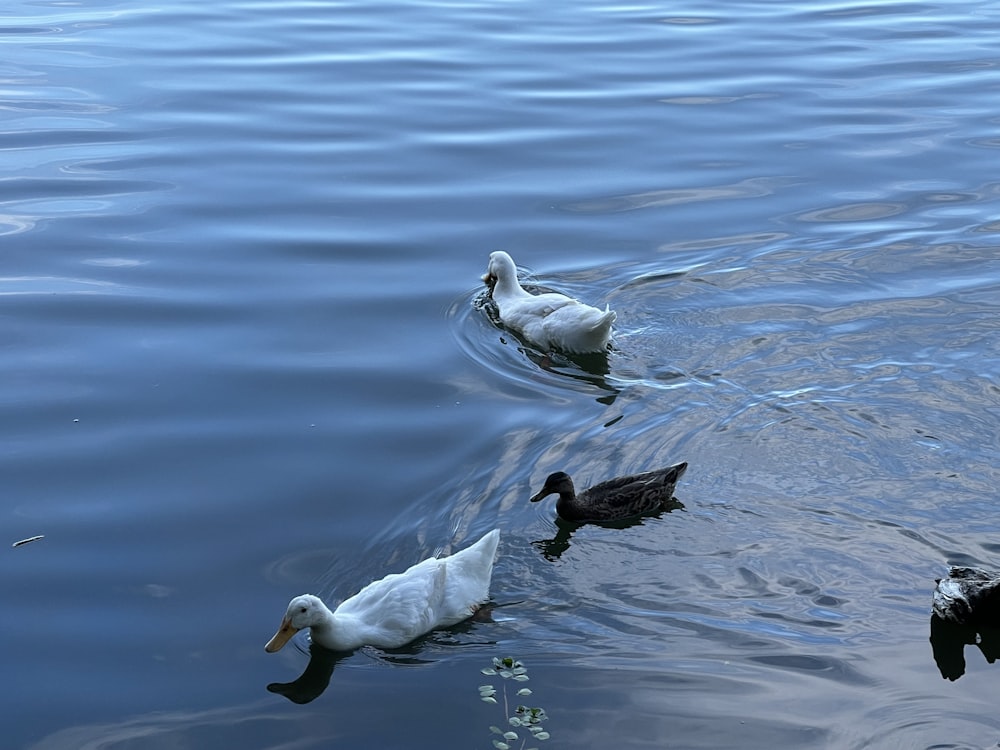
508	286
567	505
329	632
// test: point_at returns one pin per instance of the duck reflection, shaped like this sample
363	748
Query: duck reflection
314	680
966	612
588	368
552	549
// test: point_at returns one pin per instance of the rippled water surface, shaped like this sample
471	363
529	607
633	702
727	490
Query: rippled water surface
245	355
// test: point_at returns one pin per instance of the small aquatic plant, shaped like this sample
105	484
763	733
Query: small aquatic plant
524	718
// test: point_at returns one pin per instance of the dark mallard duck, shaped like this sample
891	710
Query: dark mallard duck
615	499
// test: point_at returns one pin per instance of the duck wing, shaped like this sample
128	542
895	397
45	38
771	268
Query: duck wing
395	610
579	328
519	310
434	593
559	322
633	494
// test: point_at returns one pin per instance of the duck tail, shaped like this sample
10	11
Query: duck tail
487	544
672	474
604	320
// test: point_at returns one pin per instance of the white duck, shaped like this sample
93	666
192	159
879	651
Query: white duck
550	320
389	613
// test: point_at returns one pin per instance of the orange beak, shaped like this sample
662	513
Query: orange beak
283	636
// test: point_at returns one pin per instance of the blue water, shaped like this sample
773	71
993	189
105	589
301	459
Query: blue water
243	358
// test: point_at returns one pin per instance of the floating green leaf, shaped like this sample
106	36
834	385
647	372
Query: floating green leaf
528	717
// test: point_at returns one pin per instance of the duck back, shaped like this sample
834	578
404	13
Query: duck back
623	497
434	593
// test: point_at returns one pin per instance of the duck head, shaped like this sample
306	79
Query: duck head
303	612
555	484
500	269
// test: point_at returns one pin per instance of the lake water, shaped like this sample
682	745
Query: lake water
243	359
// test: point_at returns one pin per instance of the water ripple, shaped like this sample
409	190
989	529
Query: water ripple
240	359
754	188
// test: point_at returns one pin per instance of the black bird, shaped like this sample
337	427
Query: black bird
968	596
615	499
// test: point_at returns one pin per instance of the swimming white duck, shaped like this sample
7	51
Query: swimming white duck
550	320
399	608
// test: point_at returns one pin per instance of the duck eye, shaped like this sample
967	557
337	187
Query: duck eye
303	610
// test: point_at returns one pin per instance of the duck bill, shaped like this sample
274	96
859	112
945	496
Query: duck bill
490	280
283	636
540	496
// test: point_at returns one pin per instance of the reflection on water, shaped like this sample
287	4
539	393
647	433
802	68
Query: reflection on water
758	187
229	726
309	685
552	549
948	642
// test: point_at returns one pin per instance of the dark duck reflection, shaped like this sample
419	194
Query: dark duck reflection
314	680
966	612
616	499
553	548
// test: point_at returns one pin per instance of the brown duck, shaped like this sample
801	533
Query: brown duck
615	499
